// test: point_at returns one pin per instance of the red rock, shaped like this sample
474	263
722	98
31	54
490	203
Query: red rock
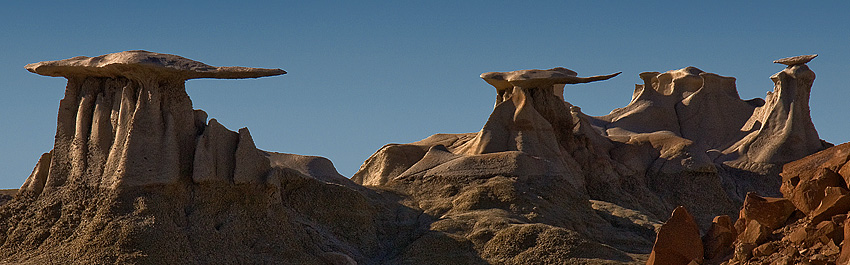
719	237
835	201
844	257
831	158
826	232
755	233
799	235
808	193
678	241
764	250
845	172
830	249
770	212
839	218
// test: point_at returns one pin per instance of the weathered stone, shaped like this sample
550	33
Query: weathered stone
836	200
35	182
807	194
765	249
839	218
830	249
845	173
826	232
541	183
799	235
844	256
678	241
808	167
250	164
144	64
784	116
770	212
754	234
126	120
505	81
796	59
718	240
214	160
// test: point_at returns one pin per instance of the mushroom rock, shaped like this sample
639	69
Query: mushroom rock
137	176
664	149
785	131
528	165
678	241
529	115
126	119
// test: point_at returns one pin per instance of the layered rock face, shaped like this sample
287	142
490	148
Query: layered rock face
686	139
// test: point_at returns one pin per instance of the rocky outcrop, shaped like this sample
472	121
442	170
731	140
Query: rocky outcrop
540	183
679	142
808	226
785	132
137	176
126	119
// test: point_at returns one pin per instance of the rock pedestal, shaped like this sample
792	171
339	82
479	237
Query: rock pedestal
137	176
782	128
126	120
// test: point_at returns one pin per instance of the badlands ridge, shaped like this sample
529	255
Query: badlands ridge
137	176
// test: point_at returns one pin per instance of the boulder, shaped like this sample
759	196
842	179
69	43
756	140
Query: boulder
719	238
127	121
770	212
753	236
836	200
807	194
678	241
834	159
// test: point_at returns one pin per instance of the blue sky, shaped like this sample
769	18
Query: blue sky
364	74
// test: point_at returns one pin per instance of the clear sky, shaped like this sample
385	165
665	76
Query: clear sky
365	73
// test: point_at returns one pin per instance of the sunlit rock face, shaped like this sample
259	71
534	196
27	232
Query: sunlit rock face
126	119
685	139
540	183
137	176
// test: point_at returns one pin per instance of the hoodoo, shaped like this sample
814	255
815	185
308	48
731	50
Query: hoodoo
685	139
126	119
137	176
